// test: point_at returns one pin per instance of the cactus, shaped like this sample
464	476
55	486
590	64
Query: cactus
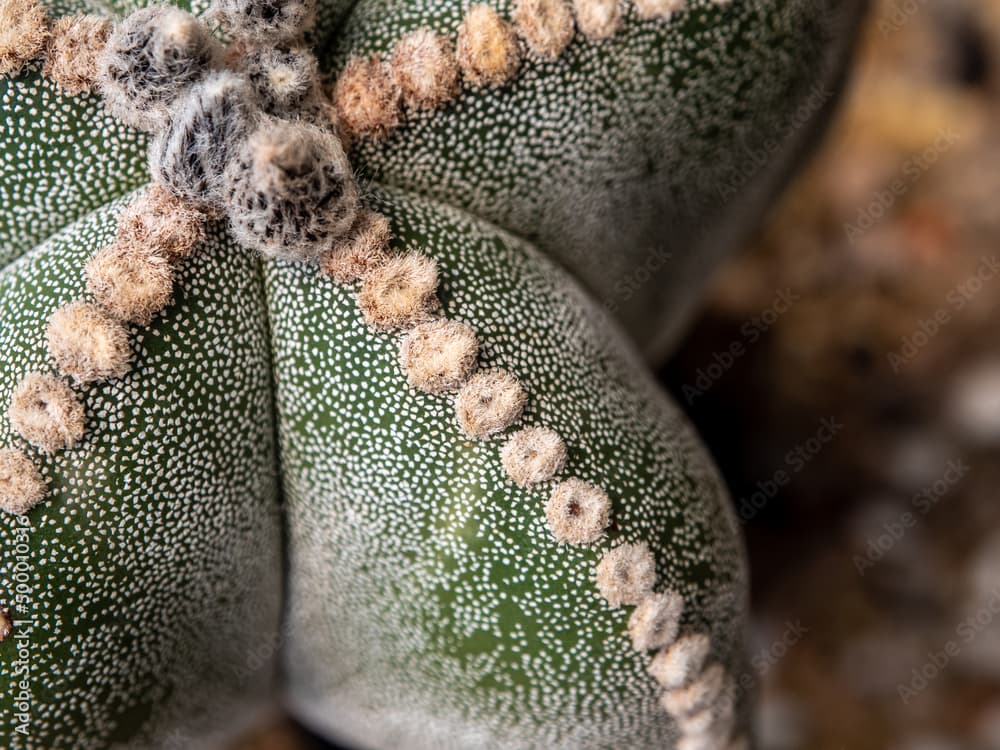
381	432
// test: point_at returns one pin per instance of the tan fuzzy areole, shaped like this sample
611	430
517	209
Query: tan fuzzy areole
626	574
679	663
655	622
71	55
488	51
533	455
364	248
699	695
132	284
424	69
664	9
46	412
439	356
87	343
598	19
489	403
329	116
578	512
716	719
400	293
546	25
159	221
367	98
21	484
23	32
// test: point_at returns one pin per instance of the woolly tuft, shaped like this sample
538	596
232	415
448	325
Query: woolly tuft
489	403
366	98
664	9
487	50
533	455
716	720
366	247
546	25
439	356
286	80
655	622
75	44
152	57
23	31
21	487
87	343
290	192
598	19
578	512
700	695
157	220
424	69
626	574
46	412
131	283
206	130
400	293
266	21
678	664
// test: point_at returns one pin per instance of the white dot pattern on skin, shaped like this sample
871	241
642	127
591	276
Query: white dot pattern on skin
155	560
611	158
454	581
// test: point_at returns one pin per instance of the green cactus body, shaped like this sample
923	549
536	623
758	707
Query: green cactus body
143	589
265	458
469	625
637	161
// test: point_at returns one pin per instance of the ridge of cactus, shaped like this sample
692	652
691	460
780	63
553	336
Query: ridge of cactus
636	161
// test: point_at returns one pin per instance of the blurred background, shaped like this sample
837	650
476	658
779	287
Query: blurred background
845	374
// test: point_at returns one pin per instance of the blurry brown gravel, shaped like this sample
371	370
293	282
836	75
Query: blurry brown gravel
874	544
